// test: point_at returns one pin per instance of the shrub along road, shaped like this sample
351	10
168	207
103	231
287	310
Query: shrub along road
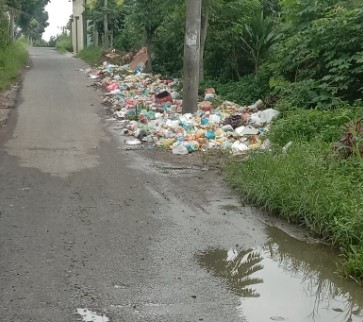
86	224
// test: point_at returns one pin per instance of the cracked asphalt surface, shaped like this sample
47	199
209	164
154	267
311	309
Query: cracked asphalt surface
84	223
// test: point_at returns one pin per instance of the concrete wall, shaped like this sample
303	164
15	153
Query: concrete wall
78	33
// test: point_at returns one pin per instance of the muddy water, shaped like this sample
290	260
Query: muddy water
286	280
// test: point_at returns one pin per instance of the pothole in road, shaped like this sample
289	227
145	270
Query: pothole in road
286	280
89	316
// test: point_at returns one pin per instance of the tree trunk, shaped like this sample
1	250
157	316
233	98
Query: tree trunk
149	33
234	64
11	24
95	33
111	38
257	65
191	55
237	73
105	26
203	36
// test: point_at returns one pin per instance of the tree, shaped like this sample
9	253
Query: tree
271	7
149	15
224	57
25	11
168	43
105	16
4	25
206	8
258	38
318	61
191	55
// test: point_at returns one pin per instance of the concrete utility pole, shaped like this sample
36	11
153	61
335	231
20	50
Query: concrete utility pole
105	25
191	55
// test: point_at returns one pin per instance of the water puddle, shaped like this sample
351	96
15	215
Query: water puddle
89	316
286	280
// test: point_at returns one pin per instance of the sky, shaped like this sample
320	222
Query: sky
59	12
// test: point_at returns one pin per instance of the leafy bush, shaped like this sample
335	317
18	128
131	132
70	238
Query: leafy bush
169	49
305	94
351	144
224	55
12	59
40	43
245	92
64	43
4	26
127	40
308	125
91	55
325	50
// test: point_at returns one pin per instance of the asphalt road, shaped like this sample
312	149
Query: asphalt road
87	224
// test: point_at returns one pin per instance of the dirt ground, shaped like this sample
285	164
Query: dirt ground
8	100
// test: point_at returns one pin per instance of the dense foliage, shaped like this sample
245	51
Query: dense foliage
307	54
29	15
320	58
12	58
63	43
4	25
26	18
22	18
18	18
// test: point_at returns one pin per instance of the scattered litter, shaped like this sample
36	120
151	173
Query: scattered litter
88	316
277	318
286	147
149	108
133	142
140	59
263	117
120	286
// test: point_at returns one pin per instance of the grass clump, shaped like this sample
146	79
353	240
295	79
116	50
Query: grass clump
12	58
64	44
312	184
309	125
91	55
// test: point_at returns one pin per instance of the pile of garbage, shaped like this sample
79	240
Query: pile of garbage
151	110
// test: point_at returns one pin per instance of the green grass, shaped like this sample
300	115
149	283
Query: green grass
64	44
91	55
12	60
309	186
309	125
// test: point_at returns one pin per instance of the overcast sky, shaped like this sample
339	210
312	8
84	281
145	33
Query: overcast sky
59	12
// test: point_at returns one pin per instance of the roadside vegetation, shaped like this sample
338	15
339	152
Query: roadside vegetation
63	43
30	21
303	58
12	60
314	183
91	55
316	82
